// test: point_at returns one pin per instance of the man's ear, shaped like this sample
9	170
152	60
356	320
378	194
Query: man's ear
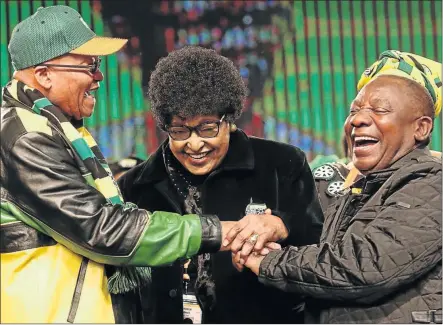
423	128
43	77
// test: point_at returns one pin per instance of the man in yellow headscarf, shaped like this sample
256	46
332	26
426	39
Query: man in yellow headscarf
379	259
332	177
411	66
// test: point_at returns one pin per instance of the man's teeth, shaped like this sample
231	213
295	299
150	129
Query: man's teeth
357	139
365	138
364	141
90	92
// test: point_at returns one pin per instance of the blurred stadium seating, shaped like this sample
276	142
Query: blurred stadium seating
301	60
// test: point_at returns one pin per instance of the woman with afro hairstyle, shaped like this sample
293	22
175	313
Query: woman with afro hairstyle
209	166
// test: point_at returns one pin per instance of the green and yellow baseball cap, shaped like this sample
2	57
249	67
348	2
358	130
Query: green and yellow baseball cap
54	31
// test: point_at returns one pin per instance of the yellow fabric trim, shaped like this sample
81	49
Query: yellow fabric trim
100	46
37	286
95	305
106	187
350	179
356	190
70	132
33	122
87	136
13	88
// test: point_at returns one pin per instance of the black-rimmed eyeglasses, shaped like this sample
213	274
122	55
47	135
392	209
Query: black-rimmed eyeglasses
93	68
203	130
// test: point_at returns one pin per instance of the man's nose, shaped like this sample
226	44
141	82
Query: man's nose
98	75
360	118
195	143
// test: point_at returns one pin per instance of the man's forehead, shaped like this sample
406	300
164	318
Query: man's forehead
375	94
384	88
388	82
86	58
76	58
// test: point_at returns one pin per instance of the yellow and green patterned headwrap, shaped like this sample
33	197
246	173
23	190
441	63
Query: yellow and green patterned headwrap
422	70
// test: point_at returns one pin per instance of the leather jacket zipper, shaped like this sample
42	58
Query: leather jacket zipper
78	290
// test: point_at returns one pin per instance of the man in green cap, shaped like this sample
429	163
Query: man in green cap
70	246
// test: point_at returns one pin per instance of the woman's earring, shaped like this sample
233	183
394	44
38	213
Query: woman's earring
233	127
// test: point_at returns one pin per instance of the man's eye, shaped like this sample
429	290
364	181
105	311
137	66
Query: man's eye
380	111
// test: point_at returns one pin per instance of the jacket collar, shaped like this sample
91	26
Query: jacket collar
378	177
415	155
240	156
26	102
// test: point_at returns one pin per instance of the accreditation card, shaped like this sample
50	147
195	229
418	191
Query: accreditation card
191	309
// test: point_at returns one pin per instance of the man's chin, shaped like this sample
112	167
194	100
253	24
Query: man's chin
363	165
85	113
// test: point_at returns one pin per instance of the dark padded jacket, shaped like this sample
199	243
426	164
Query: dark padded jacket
379	260
329	180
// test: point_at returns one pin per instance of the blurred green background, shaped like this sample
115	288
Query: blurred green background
301	60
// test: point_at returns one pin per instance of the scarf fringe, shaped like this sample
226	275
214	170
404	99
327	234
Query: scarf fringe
128	278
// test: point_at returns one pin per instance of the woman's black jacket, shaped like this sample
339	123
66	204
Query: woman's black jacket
269	172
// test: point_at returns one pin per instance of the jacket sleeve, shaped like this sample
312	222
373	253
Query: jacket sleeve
400	244
49	193
299	207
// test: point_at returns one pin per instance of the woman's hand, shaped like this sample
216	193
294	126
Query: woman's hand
226	226
238	262
252	232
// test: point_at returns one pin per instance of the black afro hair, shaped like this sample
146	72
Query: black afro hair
195	81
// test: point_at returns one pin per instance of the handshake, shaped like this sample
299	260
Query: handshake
252	238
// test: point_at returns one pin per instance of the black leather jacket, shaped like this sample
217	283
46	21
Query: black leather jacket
41	176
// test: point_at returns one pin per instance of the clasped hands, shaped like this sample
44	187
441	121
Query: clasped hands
252	238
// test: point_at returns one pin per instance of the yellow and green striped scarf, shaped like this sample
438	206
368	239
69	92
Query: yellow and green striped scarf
92	165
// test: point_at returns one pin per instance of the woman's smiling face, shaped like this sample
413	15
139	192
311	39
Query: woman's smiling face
197	154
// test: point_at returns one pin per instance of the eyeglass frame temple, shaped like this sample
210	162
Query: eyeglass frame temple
79	66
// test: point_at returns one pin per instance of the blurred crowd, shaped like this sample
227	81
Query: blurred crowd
216	225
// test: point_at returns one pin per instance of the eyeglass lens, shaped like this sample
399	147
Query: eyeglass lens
95	65
206	130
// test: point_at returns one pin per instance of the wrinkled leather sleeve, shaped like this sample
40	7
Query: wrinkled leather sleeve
211	234
397	247
43	180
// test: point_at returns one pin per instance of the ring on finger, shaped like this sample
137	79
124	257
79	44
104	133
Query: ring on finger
252	239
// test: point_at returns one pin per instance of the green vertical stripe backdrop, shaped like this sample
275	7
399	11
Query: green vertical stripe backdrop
118	119
335	41
323	50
